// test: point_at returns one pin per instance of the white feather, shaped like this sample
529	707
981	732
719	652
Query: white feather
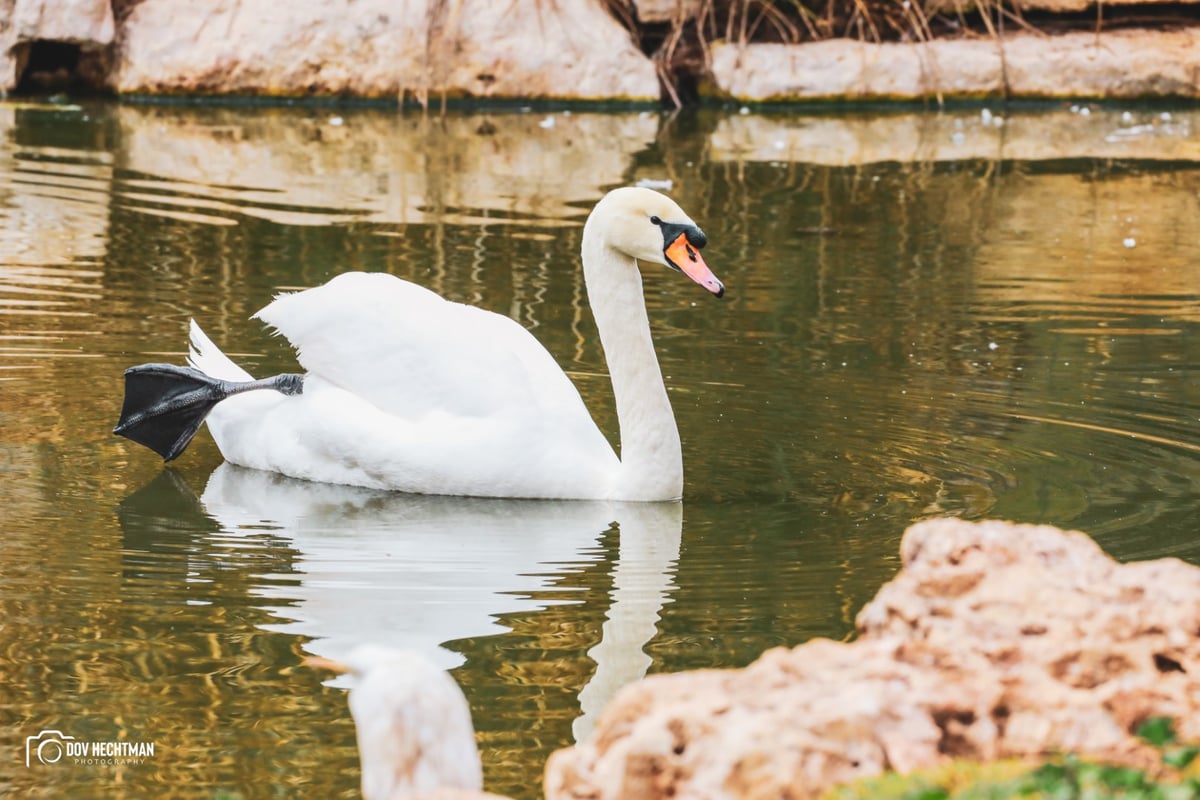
413	725
405	390
208	358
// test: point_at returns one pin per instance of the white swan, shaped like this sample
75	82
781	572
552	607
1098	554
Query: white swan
419	572
407	391
412	722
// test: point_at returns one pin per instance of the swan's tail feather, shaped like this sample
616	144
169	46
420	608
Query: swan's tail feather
165	406
205	356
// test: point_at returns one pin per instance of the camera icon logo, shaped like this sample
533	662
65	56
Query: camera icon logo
48	747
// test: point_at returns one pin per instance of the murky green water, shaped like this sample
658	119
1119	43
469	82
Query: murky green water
964	313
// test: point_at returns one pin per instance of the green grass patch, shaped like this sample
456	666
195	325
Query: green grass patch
1065	778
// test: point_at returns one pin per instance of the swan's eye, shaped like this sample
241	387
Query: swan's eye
655	220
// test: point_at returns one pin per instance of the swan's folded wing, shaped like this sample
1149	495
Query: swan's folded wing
409	352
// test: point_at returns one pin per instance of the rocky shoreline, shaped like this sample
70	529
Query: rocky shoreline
995	641
578	50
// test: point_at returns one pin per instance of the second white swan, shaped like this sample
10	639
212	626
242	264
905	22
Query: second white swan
407	391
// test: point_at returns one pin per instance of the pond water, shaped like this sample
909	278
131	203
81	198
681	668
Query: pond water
979	313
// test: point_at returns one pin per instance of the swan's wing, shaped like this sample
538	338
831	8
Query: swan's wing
410	352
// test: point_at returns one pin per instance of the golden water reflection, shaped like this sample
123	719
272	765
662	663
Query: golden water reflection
989	134
927	314
324	167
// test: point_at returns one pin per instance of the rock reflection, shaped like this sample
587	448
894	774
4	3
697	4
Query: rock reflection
1093	247
850	139
53	221
301	167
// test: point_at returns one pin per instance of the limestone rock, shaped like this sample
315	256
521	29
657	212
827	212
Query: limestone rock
1085	648
87	23
995	640
10	65
1118	64
381	48
1051	6
652	11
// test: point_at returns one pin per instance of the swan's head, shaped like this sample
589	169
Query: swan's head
652	228
413	723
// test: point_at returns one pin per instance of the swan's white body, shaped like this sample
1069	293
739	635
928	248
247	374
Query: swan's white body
413	724
407	391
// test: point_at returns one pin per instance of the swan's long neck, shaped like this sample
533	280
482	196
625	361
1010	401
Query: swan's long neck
651	457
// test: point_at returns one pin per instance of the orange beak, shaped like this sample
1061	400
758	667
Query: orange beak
320	662
686	258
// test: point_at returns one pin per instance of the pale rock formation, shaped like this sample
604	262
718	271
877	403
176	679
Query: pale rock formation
995	640
651	11
382	48
87	23
77	21
567	49
1117	64
1051	6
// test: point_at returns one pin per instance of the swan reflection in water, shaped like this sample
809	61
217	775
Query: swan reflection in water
415	571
